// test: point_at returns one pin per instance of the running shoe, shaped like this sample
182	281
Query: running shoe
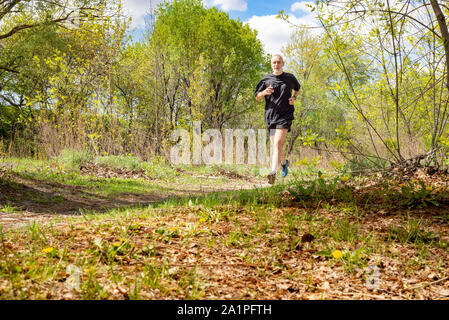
284	169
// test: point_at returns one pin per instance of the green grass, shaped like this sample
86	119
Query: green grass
344	230
126	161
412	232
100	186
65	170
8	208
73	159
237	243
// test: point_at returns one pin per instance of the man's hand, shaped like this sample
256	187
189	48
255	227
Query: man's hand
291	100
268	91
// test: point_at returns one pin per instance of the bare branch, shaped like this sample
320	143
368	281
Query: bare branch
8	7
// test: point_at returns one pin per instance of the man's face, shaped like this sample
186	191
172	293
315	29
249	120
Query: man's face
277	64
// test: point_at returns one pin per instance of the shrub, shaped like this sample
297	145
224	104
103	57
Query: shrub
74	159
123	161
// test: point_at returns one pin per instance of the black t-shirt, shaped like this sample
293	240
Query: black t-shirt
277	106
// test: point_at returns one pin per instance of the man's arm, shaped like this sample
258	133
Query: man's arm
295	84
260	96
292	99
264	93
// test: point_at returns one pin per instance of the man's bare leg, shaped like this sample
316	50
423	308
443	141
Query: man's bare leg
277	141
283	135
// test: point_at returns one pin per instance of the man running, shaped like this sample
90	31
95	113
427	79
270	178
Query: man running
279	108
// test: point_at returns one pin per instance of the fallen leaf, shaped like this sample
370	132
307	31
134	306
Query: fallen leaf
307	237
325	286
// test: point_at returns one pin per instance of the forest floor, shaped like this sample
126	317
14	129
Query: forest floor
220	233
42	195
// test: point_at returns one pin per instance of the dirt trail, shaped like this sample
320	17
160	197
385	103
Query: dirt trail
26	200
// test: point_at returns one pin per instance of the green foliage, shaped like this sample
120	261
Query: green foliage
355	259
126	161
88	87
387	79
301	192
54	71
133	253
8	116
412	233
7	208
159	169
319	188
350	259
212	56
307	168
308	163
318	112
344	230
360	164
416	194
73	159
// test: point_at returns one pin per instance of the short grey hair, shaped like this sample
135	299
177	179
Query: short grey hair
277	55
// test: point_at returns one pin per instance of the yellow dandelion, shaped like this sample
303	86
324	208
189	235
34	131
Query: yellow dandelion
345	178
48	250
415	181
202	220
337	254
173	228
429	188
322	176
116	244
183	223
89	270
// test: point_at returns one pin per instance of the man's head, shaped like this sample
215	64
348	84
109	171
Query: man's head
277	63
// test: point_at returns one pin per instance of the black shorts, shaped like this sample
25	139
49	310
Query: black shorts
280	124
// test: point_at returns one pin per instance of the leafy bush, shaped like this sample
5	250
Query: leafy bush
361	164
417	194
123	161
73	159
306	168
159	168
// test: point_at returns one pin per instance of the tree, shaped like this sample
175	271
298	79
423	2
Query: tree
206	62
47	12
403	49
53	75
319	112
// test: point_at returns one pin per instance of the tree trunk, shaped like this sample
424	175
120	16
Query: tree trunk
444	34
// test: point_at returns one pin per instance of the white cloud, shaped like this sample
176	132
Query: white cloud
302	6
275	33
137	10
228	5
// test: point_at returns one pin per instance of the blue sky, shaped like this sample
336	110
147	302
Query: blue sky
263	8
259	14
